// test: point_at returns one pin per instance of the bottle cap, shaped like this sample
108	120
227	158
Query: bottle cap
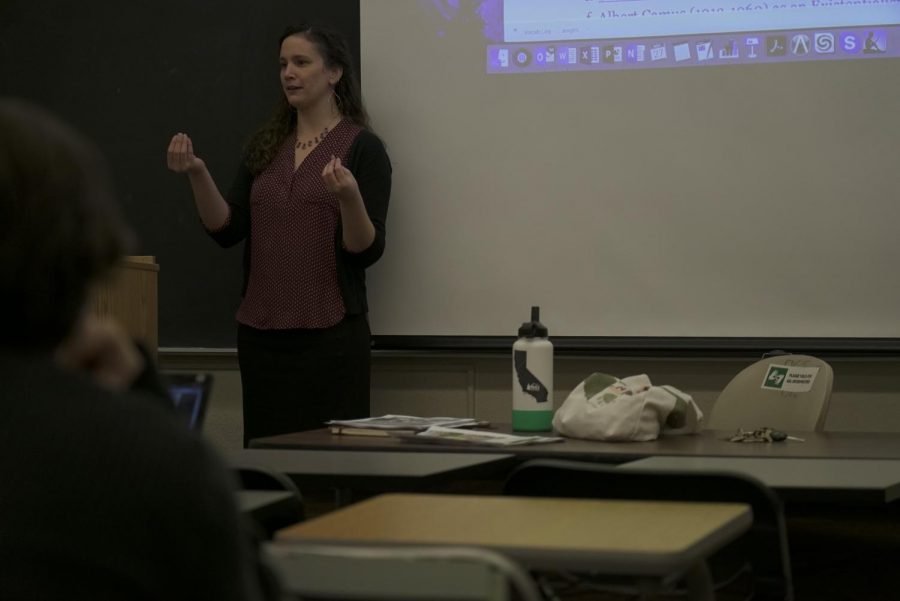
533	328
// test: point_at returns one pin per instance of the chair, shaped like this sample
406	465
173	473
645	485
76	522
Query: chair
764	549
257	478
398	573
756	398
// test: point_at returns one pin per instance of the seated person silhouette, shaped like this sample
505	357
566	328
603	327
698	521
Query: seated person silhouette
103	494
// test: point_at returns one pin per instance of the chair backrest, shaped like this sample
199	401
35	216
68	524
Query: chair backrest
397	573
258	478
766	542
766	394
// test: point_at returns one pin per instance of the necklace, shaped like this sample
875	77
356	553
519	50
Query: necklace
312	143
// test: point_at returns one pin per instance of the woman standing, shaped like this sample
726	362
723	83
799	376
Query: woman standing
311	201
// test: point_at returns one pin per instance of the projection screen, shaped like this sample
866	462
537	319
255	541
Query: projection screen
637	168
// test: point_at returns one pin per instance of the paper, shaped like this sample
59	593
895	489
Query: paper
406	422
475	437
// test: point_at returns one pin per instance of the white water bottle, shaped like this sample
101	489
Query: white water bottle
532	407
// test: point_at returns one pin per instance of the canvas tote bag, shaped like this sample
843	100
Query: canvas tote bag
604	407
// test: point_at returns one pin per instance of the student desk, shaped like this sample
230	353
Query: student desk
261	504
835	468
374	470
708	443
648	540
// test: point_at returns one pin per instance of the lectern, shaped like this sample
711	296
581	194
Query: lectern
130	296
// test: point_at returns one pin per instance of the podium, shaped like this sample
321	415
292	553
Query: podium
129	295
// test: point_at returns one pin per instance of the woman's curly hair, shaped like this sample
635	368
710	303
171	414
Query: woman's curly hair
265	142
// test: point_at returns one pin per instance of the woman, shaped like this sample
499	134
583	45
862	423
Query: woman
311	201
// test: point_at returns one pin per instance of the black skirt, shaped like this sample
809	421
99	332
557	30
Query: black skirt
295	380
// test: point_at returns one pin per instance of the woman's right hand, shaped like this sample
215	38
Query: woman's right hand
180	157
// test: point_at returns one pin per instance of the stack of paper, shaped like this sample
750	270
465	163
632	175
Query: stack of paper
441	434
387	425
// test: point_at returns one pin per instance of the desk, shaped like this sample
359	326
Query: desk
708	443
374	470
270	510
644	539
845	481
261	504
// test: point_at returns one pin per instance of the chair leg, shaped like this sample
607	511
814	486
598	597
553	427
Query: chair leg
699	583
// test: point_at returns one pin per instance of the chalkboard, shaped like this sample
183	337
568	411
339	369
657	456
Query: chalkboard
131	74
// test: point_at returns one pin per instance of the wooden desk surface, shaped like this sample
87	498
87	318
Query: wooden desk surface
708	443
374	470
622	537
856	481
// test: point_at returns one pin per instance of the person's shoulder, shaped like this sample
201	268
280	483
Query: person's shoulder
368	146
366	137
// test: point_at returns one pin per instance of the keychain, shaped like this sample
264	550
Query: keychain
762	435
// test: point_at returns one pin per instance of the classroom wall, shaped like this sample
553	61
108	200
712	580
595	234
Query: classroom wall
866	395
129	76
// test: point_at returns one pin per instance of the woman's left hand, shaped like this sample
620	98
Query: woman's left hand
339	180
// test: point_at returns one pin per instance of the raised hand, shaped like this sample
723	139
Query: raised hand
339	180
180	156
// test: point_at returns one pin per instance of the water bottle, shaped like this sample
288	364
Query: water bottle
532	407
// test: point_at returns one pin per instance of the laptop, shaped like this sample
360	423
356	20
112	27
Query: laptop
190	395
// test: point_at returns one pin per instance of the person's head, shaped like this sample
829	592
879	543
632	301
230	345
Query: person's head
60	229
326	55
321	58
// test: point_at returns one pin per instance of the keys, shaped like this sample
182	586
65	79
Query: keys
778	436
762	435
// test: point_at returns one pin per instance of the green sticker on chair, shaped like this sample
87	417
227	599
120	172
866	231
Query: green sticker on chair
790	378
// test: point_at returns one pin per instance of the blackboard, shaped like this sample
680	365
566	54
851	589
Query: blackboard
129	75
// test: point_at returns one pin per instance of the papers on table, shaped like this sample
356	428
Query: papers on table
440	434
453	430
388	424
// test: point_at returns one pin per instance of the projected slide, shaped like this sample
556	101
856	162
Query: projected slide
732	202
585	35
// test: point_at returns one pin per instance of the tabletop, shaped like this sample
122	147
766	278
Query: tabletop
614	536
707	443
256	502
270	510
373	470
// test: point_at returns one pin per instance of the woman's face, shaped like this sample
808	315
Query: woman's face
305	78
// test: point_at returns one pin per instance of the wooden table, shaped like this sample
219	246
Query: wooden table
662	541
259	504
844	481
377	471
271	510
708	443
